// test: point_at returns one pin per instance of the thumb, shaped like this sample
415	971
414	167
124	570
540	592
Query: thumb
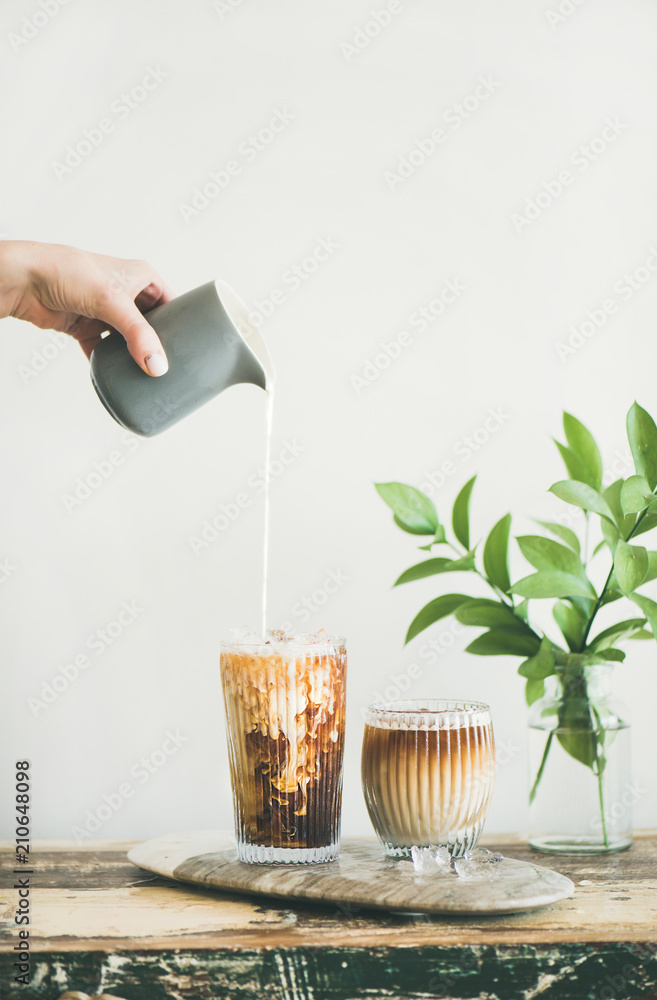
143	343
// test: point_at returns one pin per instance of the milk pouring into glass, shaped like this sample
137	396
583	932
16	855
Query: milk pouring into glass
211	344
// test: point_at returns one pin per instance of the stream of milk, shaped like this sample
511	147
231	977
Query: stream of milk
265	561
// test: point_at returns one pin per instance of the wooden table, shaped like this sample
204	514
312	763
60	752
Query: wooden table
100	925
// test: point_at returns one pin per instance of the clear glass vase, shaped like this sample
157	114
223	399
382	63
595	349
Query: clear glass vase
581	790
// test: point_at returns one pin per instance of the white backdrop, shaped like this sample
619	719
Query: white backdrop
364	156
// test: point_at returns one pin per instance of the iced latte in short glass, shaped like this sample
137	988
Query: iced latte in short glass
428	770
285	715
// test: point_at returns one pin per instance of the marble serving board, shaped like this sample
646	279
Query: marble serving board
362	877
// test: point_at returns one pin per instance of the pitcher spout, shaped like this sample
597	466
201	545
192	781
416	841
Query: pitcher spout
241	320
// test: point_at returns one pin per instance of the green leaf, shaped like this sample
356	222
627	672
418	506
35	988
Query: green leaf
611	594
565	534
571	623
582	444
635	495
421	570
412	530
461	514
615	633
430	567
490	614
534	689
630	566
438	539
611	654
499	642
536	669
522	611
642	435
432	612
611	534
584	605
541	664
552	583
624	522
649	609
652	566
581	495
545	553
642	634
414	511
496	554
577	734
574	467
647	523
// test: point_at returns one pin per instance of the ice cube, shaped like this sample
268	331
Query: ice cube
305	638
443	859
245	634
321	637
423	858
276	635
483	856
434	860
477	864
466	868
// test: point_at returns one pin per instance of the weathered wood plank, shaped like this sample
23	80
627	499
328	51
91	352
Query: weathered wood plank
569	972
618	903
109	869
203	921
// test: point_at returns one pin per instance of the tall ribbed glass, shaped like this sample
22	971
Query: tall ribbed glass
428	770
285	715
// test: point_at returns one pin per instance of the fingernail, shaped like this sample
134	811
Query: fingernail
157	364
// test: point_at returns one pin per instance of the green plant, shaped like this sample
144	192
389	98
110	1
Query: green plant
625	510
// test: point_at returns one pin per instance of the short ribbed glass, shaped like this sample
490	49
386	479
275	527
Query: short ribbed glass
285	716
428	769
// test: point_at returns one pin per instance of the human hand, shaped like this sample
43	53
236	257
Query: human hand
84	294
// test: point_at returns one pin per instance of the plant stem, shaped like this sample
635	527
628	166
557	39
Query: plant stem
600	772
598	603
602	810
596	608
539	775
498	593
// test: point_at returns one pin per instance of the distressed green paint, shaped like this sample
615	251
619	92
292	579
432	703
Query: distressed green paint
614	971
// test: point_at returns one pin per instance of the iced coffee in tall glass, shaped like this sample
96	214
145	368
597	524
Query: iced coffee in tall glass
285	715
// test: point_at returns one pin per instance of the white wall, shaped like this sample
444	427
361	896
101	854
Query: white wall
323	178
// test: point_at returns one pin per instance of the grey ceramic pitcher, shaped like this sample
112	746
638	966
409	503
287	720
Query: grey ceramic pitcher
210	344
